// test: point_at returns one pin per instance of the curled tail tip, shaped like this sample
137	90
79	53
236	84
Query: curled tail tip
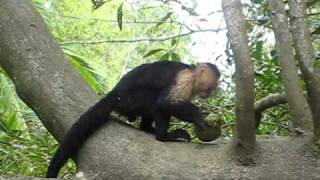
53	169
51	174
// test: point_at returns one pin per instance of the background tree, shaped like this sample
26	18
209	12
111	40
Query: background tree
245	133
300	111
306	58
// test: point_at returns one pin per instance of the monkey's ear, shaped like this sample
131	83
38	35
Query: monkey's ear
201	68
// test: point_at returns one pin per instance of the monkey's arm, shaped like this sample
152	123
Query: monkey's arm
185	111
162	120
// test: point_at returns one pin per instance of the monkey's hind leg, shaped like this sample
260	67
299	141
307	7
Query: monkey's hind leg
146	124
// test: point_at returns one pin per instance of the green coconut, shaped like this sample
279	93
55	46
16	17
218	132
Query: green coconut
211	132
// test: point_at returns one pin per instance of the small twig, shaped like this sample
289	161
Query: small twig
214	12
138	40
107	20
228	125
276	124
313	14
5	143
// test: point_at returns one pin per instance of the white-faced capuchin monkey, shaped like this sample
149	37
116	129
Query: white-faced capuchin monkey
154	92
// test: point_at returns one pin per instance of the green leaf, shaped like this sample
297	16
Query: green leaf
3	127
9	107
174	42
97	3
95	81
317	31
164	19
273	53
152	52
167	16
175	57
257	54
263	21
12	121
257	1
248	26
119	16
311	3
165	57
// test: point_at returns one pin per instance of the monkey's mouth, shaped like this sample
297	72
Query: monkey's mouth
205	94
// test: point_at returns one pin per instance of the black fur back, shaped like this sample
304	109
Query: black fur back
154	76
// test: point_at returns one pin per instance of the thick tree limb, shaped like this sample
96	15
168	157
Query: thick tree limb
43	77
245	130
268	102
300	112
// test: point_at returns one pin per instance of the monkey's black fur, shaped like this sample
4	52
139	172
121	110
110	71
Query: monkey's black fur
141	92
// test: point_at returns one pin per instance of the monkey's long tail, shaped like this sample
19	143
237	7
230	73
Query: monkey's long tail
88	123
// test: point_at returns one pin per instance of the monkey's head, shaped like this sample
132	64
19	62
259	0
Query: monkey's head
206	79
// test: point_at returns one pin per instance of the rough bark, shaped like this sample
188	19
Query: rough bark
276	158
268	102
306	58
131	154
245	125
43	77
301	116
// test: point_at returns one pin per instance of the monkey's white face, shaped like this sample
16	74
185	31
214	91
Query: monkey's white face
205	94
208	82
207	90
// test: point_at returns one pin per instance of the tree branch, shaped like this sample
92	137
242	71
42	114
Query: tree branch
313	14
268	102
139	40
107	20
116	22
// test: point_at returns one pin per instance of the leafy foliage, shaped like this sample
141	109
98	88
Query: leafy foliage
25	145
95	80
10	116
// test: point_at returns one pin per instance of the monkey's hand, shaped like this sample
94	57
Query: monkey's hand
174	136
201	124
148	130
181	134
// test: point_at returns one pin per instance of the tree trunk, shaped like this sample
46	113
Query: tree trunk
306	58
42	75
301	116
48	84
245	123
